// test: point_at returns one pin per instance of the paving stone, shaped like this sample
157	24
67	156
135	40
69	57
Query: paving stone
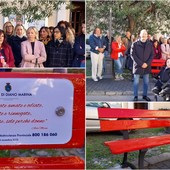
110	87
159	162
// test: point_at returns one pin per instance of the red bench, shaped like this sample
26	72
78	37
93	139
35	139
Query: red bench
124	122
156	65
78	126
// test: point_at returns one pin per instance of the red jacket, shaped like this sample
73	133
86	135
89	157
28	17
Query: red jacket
116	50
9	56
157	52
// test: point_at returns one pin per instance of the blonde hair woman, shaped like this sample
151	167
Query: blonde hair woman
15	43
117	54
8	29
32	51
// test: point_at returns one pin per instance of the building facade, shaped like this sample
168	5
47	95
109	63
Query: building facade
75	16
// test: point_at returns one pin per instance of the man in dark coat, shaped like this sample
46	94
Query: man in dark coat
142	54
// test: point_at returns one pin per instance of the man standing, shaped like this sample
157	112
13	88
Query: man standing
142	54
98	45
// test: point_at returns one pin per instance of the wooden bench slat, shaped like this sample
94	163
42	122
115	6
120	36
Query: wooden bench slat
155	71
132	113
70	162
122	146
157	64
114	125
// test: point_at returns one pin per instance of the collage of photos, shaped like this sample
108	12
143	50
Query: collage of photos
42	69
84	84
127	84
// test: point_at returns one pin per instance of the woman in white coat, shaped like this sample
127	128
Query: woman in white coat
33	51
165	48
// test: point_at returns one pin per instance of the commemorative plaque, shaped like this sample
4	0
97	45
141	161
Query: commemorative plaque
35	111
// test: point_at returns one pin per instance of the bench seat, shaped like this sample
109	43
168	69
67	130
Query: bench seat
69	162
130	145
155	71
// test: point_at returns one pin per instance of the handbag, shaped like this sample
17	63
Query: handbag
37	65
129	63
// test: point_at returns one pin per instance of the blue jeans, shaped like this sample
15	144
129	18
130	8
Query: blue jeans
145	84
119	65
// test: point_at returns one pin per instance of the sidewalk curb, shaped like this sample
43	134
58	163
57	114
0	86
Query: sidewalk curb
154	160
112	93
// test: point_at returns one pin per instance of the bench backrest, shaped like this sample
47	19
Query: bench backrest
112	119
78	124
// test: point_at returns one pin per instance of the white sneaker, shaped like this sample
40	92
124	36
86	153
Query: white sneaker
95	79
121	77
117	77
100	77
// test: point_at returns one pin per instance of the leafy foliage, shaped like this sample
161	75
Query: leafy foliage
131	15
32	10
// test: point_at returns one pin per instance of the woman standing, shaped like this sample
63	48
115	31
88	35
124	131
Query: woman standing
8	30
70	32
117	54
79	49
157	50
59	51
44	35
165	48
15	43
32	51
6	55
98	44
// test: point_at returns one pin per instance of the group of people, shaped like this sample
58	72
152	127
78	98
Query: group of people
137	55
49	47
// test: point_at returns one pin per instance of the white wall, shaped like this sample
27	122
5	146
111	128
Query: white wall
158	105
63	13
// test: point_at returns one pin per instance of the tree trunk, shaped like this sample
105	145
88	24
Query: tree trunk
132	24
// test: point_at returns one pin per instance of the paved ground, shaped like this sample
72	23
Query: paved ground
110	90
158	162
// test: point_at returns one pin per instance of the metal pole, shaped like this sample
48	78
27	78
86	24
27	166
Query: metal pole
108	61
110	30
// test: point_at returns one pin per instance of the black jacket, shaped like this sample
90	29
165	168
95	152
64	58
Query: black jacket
164	75
59	55
142	53
79	50
15	43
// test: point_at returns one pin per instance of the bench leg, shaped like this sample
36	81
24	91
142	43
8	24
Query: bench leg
126	164
141	158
